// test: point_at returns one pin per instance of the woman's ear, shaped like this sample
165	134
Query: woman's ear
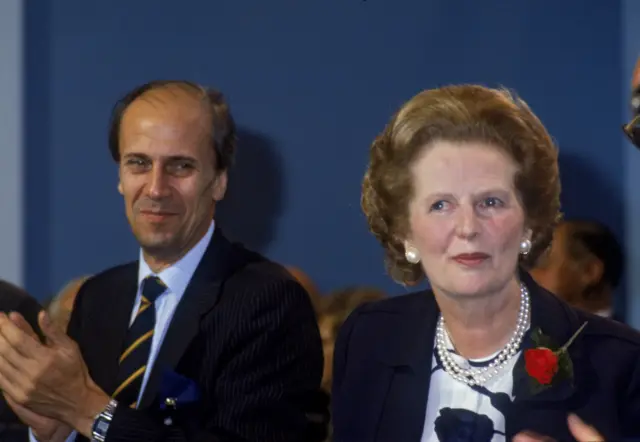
528	234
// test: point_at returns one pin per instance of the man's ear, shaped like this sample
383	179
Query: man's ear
120	188
220	185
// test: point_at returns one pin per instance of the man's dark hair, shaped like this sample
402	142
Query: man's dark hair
223	129
598	240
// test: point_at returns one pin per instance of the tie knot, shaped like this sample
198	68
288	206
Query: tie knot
152	287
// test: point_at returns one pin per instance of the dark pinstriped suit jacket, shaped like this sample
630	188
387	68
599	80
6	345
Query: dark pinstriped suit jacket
244	331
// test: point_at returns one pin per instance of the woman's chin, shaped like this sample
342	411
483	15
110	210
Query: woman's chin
471	286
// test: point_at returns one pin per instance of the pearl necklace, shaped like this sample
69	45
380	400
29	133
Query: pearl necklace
478	376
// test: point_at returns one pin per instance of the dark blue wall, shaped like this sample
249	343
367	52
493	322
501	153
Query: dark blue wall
310	83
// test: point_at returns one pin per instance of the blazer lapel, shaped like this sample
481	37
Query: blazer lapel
199	297
546	410
408	355
117	306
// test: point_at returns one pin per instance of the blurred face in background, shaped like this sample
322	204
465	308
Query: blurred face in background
62	305
554	271
564	275
327	324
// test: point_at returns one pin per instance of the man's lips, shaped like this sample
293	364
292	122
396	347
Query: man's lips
156	215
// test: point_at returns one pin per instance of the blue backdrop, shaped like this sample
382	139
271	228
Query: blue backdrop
310	83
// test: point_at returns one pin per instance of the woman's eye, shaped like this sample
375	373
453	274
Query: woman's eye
492	202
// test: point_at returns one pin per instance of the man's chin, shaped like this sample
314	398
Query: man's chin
156	244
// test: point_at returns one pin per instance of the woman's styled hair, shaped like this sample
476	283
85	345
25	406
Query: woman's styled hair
464	113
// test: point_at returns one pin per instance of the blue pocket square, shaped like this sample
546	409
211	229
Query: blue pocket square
177	390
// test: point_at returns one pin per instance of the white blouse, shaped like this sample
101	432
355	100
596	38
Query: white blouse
455	409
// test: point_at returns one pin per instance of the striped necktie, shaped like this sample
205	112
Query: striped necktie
133	360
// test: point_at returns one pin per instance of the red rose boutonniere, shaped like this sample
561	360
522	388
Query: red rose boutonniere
544	364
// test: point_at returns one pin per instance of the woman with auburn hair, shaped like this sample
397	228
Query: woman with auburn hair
462	187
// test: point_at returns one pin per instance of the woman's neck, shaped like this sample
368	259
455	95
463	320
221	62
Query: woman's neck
481	325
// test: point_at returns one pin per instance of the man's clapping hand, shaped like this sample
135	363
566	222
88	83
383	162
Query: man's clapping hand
47	384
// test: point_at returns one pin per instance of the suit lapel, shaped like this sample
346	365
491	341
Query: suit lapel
408	355
199	297
546	411
116	306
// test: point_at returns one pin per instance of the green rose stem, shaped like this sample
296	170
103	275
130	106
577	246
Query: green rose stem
570	341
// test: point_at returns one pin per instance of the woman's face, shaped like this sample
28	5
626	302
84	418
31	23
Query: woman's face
466	219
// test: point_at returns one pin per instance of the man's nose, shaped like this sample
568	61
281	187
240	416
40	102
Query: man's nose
158	186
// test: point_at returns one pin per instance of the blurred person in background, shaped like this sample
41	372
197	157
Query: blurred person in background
336	308
583	266
632	128
318	408
307	283
61	305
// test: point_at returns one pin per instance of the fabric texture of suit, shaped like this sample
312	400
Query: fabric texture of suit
14	299
244	332
383	361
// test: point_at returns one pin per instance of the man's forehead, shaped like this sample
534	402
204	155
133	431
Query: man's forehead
175	94
173	100
167	113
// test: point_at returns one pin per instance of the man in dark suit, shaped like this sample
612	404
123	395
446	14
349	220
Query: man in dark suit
15	299
200	339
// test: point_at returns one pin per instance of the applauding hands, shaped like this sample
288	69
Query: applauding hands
580	431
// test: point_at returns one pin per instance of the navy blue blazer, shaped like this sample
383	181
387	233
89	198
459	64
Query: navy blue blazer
244	332
382	370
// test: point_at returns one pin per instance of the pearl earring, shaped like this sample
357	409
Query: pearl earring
525	246
411	254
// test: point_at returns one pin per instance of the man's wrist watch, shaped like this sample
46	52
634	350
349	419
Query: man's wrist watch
102	421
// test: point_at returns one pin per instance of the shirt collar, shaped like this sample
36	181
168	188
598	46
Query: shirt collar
178	275
605	313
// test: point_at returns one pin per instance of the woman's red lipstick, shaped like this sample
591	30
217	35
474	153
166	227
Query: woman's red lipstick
471	259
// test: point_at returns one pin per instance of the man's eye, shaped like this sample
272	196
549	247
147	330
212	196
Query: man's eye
180	167
135	162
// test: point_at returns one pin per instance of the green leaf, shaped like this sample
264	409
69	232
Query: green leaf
536	387
536	335
542	340
565	366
